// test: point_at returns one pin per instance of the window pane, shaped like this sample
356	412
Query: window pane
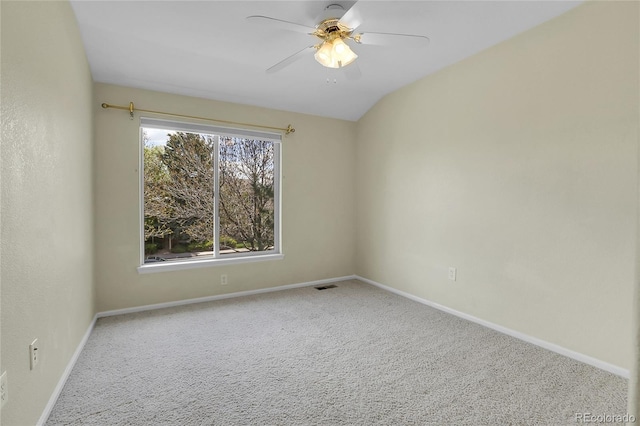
207	193
246	203
178	195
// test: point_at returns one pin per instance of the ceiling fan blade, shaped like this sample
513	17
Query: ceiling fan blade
352	17
289	60
281	24
389	39
352	71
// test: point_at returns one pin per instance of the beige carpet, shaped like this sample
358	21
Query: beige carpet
350	355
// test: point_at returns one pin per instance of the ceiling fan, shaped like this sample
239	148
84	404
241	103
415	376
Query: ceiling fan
336	30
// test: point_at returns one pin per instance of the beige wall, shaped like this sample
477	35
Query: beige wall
47	204
517	166
317	203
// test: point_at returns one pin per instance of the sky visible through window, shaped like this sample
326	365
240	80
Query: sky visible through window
157	137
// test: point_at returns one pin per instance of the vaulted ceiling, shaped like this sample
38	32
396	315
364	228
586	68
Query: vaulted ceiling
210	50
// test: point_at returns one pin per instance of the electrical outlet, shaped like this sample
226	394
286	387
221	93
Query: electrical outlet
34	355
452	273
223	279
4	389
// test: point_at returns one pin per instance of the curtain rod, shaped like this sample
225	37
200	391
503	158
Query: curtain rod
131	109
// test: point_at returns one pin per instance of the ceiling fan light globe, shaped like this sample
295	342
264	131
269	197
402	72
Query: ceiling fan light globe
335	54
342	53
324	55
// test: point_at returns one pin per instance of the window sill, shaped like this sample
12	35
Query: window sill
204	263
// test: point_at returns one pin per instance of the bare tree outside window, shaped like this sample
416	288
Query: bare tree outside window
180	196
246	193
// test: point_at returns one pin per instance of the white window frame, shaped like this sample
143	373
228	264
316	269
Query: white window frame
217	259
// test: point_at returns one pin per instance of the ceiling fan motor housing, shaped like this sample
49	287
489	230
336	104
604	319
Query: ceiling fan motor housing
332	28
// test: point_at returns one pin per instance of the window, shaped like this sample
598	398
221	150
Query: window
209	195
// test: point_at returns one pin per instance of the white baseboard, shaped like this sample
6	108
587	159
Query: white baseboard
65	375
619	371
220	297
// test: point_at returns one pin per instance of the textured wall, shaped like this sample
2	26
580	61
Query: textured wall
317	203
47	203
518	166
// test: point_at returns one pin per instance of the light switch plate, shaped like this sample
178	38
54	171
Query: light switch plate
452	273
34	354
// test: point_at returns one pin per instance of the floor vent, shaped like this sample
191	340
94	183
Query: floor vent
324	287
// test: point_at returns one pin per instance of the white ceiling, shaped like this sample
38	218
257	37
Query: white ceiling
210	50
